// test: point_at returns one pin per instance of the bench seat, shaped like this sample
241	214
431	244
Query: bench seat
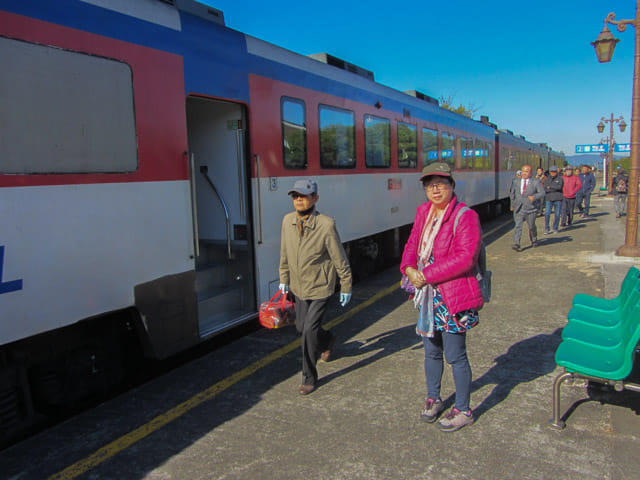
631	281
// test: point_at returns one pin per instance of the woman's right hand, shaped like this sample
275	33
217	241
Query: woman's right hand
415	277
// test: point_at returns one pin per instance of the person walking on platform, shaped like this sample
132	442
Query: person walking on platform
524	193
553	198
541	177
439	262
311	254
571	187
588	181
620	188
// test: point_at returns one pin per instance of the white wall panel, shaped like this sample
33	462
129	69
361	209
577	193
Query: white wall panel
80	249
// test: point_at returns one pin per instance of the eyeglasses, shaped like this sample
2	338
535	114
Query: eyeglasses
439	186
299	195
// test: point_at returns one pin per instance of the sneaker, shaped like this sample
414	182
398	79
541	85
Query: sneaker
555	231
454	420
547	232
432	409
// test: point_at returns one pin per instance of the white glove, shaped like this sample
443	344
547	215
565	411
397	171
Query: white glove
284	288
344	299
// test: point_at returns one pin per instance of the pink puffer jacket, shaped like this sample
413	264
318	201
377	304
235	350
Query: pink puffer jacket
453	269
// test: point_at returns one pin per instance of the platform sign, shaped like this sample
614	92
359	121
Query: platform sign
597	148
622	147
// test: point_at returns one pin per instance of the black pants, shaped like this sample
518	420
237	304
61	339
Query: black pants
568	205
315	339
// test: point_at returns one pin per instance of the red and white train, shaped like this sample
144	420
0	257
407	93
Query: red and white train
145	154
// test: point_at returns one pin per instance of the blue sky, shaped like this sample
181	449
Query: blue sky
529	66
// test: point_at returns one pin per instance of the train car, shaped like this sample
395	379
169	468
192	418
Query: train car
514	151
145	157
556	158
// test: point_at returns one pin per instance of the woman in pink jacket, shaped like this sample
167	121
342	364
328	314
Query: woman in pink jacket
440	268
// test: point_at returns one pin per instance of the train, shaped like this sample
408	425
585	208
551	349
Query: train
146	152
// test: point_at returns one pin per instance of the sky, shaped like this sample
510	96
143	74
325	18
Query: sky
528	65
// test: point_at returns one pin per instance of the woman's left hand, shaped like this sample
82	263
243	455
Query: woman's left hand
415	277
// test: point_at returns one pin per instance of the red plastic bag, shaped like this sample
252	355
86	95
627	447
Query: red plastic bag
277	313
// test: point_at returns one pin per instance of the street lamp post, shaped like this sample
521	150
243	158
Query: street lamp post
605	169
612	143
604	46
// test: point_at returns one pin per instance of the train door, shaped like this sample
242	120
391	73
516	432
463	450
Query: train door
225	285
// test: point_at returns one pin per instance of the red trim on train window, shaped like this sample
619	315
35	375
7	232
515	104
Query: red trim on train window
159	102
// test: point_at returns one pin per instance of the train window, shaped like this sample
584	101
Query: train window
429	146
489	159
337	137
448	152
294	133
407	145
377	141
65	112
508	162
467	152
480	155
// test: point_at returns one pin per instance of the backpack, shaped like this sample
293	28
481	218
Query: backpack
482	274
621	186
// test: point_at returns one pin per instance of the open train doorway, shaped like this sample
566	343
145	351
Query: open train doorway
225	277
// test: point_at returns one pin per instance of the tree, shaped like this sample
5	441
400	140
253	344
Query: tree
448	102
623	163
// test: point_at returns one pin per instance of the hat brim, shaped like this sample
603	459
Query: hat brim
437	174
301	192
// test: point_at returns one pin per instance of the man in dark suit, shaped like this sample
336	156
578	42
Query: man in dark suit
525	192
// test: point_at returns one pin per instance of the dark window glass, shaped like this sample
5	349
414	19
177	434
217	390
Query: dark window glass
407	145
467	152
429	146
448	152
294	133
64	112
337	137
377	141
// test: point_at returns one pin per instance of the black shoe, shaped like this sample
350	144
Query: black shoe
516	247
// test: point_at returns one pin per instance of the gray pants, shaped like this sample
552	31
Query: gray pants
620	203
519	218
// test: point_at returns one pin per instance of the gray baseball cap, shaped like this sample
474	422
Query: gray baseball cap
304	187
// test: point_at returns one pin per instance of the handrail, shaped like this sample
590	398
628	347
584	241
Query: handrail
204	169
194	203
259	199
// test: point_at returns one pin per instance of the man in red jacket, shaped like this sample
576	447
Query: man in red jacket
570	188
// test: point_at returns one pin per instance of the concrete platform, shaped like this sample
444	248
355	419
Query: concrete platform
235	413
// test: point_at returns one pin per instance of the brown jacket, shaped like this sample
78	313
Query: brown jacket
309	264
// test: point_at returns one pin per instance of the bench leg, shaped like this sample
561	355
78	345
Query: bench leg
556	421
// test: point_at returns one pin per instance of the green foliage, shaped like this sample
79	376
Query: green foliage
623	162
447	103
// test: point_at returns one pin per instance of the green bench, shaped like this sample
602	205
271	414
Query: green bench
631	280
600	346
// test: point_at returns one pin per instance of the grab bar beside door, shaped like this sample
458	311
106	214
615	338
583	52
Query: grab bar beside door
204	169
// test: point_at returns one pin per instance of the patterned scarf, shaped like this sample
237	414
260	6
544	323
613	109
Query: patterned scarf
423	299
303	218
